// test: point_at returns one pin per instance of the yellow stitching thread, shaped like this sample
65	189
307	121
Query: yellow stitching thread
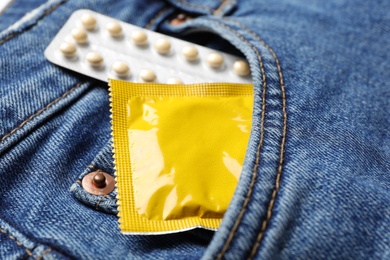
282	146
39	112
249	193
47	12
221	6
101	199
17	242
43	254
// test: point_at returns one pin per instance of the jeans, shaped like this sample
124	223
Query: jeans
316	178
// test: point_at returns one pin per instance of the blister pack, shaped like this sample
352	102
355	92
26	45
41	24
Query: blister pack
102	47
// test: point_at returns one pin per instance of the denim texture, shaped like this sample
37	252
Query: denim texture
12	15
103	162
316	178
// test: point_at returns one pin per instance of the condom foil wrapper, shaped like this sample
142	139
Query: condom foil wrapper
178	152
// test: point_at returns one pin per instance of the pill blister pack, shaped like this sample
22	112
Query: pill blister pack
102	47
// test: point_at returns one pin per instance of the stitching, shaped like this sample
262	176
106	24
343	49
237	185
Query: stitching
271	204
101	199
17	242
47	12
152	21
258	152
43	254
282	146
40	112
221	6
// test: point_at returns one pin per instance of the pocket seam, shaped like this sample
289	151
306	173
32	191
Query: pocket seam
16	241
197	6
275	190
258	152
271	203
45	13
214	11
39	112
28	251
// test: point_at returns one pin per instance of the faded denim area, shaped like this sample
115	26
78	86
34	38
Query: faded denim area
316	178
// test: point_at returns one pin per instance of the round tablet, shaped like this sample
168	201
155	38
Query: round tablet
190	53
121	69
95	59
79	35
147	75
163	46
215	60
68	49
114	29
139	37
174	81
241	68
88	21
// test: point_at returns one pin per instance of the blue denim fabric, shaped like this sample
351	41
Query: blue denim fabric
316	178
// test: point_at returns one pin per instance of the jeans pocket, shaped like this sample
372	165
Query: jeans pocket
205	7
103	162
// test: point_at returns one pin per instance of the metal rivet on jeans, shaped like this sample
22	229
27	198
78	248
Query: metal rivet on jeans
98	183
179	19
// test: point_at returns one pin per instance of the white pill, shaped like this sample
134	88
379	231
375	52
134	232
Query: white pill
121	69
163	46
241	68
190	53
147	75
95	59
215	60
68	49
114	29
88	21
79	35
139	37
174	81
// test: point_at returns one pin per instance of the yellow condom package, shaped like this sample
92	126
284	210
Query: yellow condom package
178	152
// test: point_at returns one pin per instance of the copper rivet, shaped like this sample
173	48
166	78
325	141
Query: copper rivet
98	183
181	16
99	180
179	19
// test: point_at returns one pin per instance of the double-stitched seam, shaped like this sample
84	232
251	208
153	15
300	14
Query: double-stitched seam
153	20
271	203
47	12
258	152
17	242
39	112
221	6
